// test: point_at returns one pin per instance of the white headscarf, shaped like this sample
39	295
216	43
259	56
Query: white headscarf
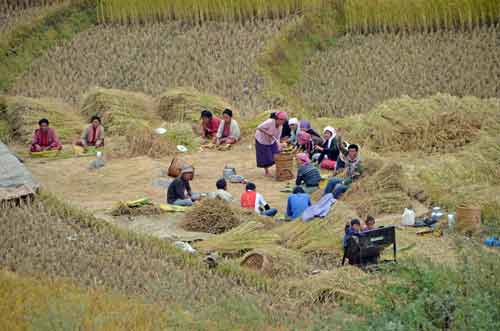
333	132
293	121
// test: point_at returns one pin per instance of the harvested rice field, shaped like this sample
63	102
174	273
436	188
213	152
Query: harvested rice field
361	71
217	58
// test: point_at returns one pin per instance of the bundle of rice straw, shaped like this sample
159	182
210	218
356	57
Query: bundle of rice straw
186	104
122	208
319	235
345	284
23	114
120	110
383	192
143	141
275	261
438	123
212	216
245	237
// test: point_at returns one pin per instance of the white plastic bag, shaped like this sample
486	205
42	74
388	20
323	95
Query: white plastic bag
408	218
185	247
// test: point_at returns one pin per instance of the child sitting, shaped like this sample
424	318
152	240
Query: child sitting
250	199
369	223
297	203
351	229
222	192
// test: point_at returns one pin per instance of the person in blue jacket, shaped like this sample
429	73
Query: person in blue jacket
297	203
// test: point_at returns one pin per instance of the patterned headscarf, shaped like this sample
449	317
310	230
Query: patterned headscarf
281	115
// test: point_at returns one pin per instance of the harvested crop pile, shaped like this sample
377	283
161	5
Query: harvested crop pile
142	206
346	284
441	123
119	110
319	235
245	237
275	261
383	192
217	58
186	104
143	141
212	216
23	114
362	71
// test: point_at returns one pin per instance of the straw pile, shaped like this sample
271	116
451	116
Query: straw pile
119	110
383	192
441	123
22	115
211	216
122	208
186	104
142	141
243	238
320	235
342	285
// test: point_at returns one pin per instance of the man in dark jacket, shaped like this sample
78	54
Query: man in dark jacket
179	191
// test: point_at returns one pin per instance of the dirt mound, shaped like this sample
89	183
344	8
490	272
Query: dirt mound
212	216
22	115
119	110
441	123
186	104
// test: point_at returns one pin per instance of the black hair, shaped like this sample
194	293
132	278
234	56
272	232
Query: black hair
206	114
355	221
298	189
43	120
95	117
221	184
251	186
273	115
353	146
228	112
370	218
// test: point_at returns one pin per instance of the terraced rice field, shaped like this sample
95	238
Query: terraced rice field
361	71
218	58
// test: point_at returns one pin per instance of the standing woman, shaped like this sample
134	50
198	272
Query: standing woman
267	141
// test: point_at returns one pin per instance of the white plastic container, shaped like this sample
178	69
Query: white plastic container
408	218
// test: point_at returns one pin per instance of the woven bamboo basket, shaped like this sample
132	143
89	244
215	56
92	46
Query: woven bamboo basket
176	166
258	261
284	166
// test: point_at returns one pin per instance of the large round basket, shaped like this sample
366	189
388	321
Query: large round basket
258	261
284	166
468	219
176	166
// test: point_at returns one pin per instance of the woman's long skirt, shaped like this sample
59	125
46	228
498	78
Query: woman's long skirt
265	154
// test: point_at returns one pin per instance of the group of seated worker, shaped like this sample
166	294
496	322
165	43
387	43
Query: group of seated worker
45	138
354	228
219	132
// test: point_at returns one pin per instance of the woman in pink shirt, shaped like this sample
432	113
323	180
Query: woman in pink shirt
267	141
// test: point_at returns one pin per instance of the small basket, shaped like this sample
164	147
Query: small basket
257	261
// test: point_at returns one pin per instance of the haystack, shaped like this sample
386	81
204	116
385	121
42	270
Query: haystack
22	115
243	238
319	235
186	104
342	285
143	141
383	192
122	208
212	216
441	123
119	110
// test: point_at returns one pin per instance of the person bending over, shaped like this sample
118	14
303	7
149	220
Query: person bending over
44	138
308	175
209	126
250	199
229	131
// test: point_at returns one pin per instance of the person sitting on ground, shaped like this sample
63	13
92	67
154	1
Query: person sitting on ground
297	203
45	138
93	135
306	127
329	151
293	123
222	192
209	126
304	142
369	223
250	199
229	131
351	229
352	167
307	175
179	191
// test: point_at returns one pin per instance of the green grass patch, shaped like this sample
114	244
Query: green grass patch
28	41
